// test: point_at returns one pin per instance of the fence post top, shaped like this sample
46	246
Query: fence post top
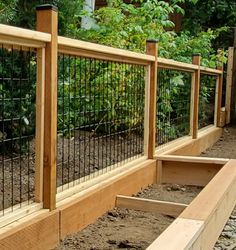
47	7
196	54
152	41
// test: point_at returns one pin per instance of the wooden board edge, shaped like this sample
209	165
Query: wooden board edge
36	231
148	205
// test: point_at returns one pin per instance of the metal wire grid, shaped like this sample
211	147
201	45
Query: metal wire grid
173	105
100	116
207	100
17	127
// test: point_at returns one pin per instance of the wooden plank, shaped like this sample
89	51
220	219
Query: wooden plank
17	212
151	48
83	183
147	205
172	64
194	147
195	97
39	140
85	207
37	231
214	205
15	41
187	173
218	103
229	82
210	71
47	22
193	159
210	209
68	45
24	34
180	235
159	171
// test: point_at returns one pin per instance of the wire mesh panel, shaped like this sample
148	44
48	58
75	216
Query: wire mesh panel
17	127
100	116
207	100
173	105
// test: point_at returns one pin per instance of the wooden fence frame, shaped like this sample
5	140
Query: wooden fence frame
48	44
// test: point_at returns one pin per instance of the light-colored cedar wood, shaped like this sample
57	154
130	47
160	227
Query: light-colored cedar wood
147	205
47	21
222	117
19	211
172	64
34	232
195	147
71	46
88	181
193	159
210	209
195	97
229	84
24	33
159	171
151	95
218	102
189	173
210	71
180	235
214	205
40	88
10	40
84	208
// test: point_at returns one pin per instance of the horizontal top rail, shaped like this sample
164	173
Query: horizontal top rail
210	71
172	64
23	37
87	49
186	67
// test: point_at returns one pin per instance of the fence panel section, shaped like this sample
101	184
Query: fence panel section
100	117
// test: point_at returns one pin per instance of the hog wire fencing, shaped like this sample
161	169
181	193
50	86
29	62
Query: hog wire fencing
105	103
17	126
173	105
100	116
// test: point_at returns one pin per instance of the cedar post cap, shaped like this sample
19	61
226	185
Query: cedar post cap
152	41
47	7
197	54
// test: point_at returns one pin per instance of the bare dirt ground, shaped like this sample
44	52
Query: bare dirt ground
129	229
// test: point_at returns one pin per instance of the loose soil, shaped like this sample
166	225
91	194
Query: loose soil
129	229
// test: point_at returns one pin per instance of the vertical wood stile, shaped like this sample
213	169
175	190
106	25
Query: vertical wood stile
196	78
151	97
229	81
219	87
39	140
47	21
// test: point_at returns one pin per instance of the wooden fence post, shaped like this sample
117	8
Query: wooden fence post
229	82
219	87
196	78
151	97
47	21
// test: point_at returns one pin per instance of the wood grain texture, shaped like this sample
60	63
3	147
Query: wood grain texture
84	208
151	95
180	235
47	21
187	173
229	82
37	232
147	205
195	97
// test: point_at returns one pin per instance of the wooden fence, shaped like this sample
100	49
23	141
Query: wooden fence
48	45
